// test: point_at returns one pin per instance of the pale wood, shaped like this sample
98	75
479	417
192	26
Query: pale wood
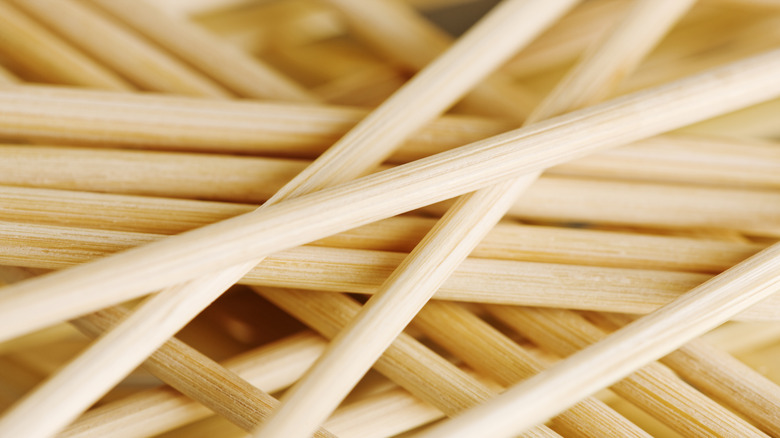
629	348
362	271
123	51
271	367
133	338
190	372
36	48
605	66
197	376
742	338
426	268
667	159
407	362
397	31
724	378
390	192
552	198
566	40
236	70
507	241
102	118
688	412
489	351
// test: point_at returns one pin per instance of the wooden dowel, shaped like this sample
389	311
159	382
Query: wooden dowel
361	271
101	118
236	70
685	410
384	194
566	40
469	59
271	367
742	338
119	49
584	200
729	163
629	348
427	267
37	49
490	352
506	241
722	377
399	32
407	362
194	374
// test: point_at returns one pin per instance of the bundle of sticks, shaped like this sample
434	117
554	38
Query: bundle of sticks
336	218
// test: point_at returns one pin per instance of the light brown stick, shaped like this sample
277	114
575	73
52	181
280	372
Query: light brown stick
399	32
629	348
34	47
129	55
576	199
564	332
152	121
507	241
490	352
360	271
233	68
390	192
721	376
271	367
407	362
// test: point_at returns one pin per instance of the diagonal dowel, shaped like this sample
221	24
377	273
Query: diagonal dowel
495	355
118	48
627	349
426	268
407	361
481	279
84	379
35	47
294	222
722	377
234	69
684	409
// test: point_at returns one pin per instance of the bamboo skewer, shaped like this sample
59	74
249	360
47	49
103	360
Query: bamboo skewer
168	122
646	22
407	362
649	338
703	95
505	242
271	367
158	312
36	48
234	69
754	165
487	350
129	55
415	281
360	271
396	30
196	375
723	377
691	414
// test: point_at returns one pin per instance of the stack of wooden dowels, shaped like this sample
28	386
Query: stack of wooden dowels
327	218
